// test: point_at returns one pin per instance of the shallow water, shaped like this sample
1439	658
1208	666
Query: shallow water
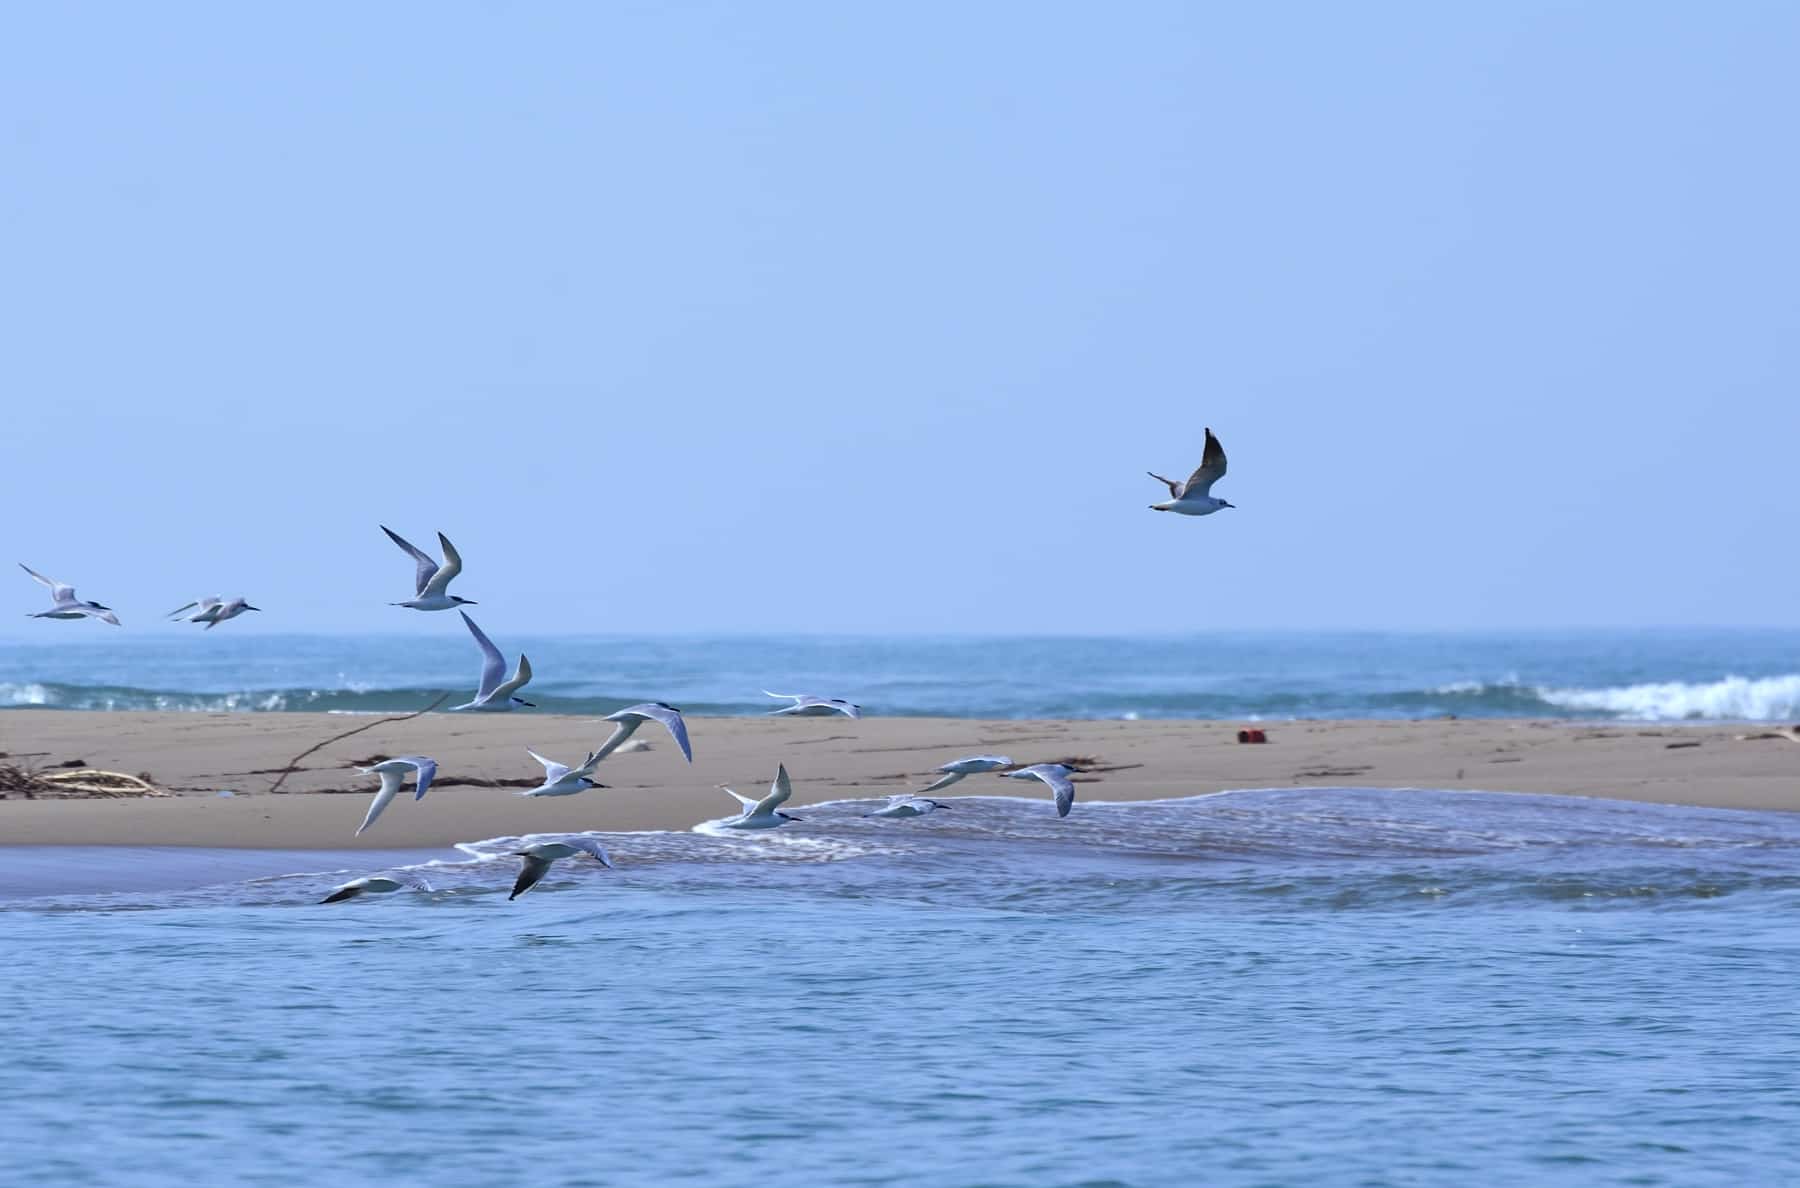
1342	987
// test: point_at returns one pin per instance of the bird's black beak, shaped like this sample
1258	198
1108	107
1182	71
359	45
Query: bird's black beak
526	704
247	606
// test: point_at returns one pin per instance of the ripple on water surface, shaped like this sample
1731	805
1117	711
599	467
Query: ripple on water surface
1294	986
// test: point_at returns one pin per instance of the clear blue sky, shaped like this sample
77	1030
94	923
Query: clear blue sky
840	317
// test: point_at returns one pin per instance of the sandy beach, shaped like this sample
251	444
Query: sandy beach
197	756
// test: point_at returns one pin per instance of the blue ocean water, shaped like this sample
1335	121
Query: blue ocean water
1294	987
1750	675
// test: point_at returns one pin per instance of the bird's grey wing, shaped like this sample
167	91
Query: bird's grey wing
179	609
390	785
1063	787
520	678
943	781
796	697
588	845
409	879
534	869
493	664
58	591
779	791
845	708
426	565
553	771
1212	469
1173	486
443	573
674	722
427	769
737	796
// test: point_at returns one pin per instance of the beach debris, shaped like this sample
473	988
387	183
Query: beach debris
295	761
1676	746
80	783
1790	733
1252	736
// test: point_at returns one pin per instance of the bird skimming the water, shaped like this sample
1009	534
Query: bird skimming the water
907	805
376	885
539	857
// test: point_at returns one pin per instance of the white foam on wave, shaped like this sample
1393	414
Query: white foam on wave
1757	699
30	693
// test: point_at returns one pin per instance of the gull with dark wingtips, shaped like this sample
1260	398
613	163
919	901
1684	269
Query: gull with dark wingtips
496	693
539	857
65	604
1194	497
431	580
377	885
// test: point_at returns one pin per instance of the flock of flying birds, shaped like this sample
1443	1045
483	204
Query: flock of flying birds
497	693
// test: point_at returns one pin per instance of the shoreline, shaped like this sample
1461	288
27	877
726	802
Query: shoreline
196	755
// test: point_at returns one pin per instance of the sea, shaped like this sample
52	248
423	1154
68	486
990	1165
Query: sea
1747	675
1263	987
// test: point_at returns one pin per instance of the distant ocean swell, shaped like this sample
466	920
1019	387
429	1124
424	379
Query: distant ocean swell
1730	698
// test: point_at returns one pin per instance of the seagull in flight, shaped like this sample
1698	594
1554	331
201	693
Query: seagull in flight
377	885
393	774
908	805
633	716
67	606
1056	777
539	857
972	765
212	611
562	780
812	707
495	694
764	813
432	580
1194	497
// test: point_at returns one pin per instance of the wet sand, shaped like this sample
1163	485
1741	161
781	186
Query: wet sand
322	802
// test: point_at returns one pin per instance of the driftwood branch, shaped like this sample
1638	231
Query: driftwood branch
295	761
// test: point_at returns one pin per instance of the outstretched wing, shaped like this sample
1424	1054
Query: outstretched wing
588	845
1173	486
1059	783
390	785
779	791
493	664
672	720
737	796
427	769
1212	469
553	771
58	591
530	873
426	566
434	584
